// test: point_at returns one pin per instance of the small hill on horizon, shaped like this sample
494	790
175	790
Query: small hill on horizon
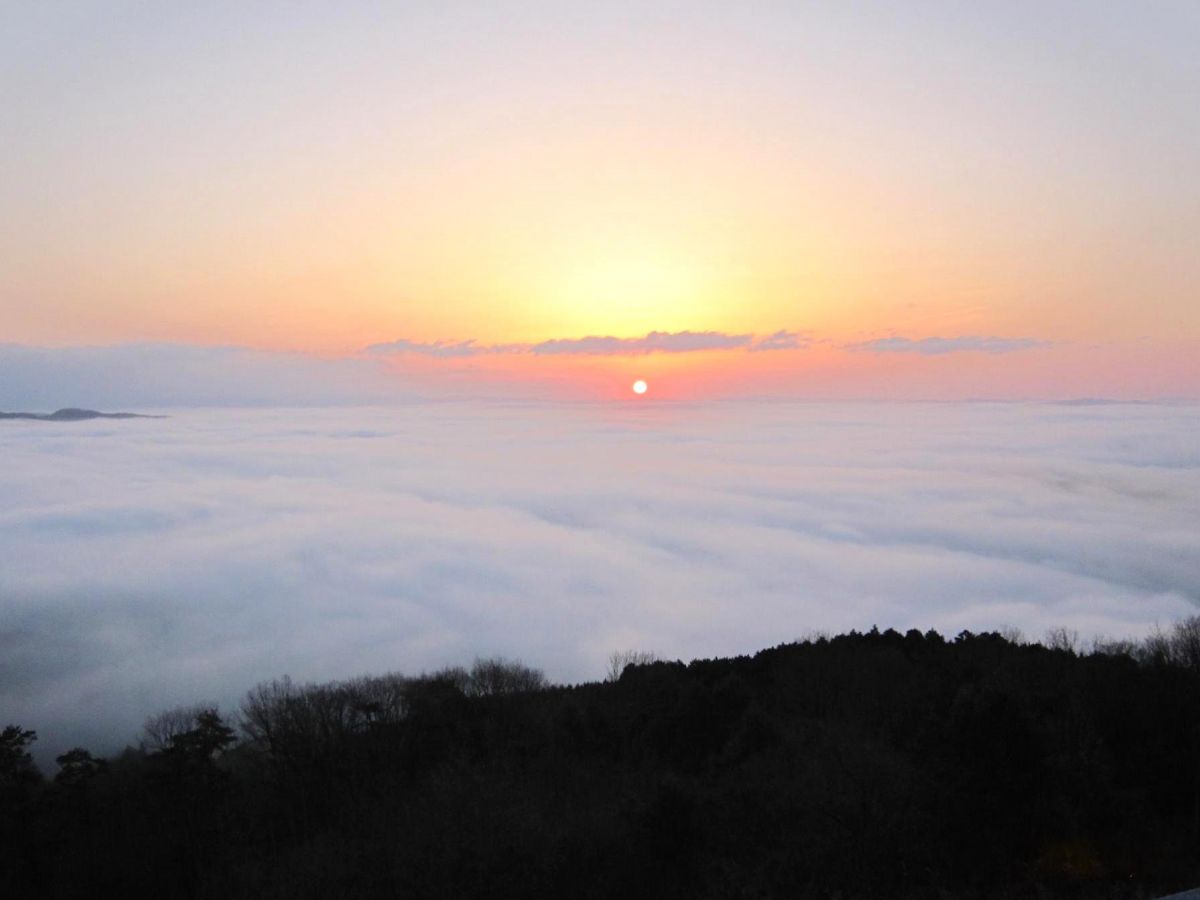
74	414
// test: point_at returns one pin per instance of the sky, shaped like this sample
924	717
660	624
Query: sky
927	200
148	563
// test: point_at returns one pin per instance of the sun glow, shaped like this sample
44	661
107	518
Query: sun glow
639	387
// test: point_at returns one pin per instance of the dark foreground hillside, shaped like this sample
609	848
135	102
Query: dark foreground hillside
866	765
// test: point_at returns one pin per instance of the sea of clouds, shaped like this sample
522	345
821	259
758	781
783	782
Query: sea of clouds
147	563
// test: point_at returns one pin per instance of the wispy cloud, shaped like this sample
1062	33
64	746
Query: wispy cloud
654	342
935	346
602	345
780	340
443	349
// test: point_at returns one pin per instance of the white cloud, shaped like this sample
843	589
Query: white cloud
149	562
934	346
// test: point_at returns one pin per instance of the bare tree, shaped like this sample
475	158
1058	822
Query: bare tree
490	677
162	729
264	712
379	699
1106	646
1012	634
1155	649
1062	638
620	660
1185	643
296	722
453	677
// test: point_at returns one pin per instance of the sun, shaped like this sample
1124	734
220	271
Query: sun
639	387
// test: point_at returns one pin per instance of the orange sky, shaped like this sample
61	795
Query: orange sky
349	176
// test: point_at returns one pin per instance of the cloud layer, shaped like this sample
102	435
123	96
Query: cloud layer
935	346
150	562
606	345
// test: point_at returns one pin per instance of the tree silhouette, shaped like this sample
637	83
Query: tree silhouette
20	781
620	660
16	764
860	765
495	676
161	729
77	767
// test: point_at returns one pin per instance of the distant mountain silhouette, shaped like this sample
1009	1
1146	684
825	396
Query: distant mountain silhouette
71	414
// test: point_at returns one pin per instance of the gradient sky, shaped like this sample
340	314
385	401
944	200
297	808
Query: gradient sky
325	177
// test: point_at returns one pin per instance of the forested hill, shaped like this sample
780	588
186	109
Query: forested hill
865	765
